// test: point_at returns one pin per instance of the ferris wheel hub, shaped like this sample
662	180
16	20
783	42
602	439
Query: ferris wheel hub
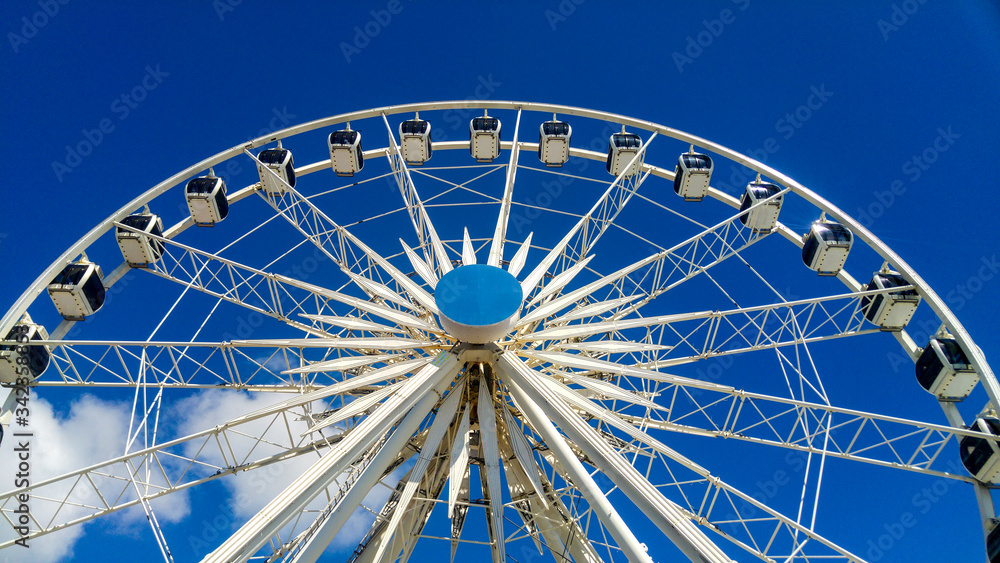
478	303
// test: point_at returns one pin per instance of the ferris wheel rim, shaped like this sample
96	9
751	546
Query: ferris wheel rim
876	244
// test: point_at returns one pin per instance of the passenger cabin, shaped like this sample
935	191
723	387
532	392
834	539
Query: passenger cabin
346	155
993	545
944	370
139	249
206	199
279	160
622	148
981	456
692	175
826	246
415	141
890	311
553	142
484	138
764	218
37	357
78	291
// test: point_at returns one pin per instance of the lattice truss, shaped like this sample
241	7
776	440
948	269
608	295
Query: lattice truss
541	435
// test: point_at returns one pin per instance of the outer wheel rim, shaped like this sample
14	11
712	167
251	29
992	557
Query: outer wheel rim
861	233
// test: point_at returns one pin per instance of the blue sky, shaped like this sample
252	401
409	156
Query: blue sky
854	100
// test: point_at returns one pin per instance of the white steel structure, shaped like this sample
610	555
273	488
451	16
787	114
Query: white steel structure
593	429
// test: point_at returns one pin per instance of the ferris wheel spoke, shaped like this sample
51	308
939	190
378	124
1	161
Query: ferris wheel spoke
278	296
849	434
578	242
442	420
673	520
545	515
414	400
161	470
688	337
500	233
346	250
667	516
426	234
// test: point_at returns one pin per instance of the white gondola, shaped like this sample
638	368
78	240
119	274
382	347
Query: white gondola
692	175
764	218
346	155
206	199
826	246
981	456
36	357
78	291
139	250
622	148
993	545
484	138
279	160
944	370
890	311
553	142
415	141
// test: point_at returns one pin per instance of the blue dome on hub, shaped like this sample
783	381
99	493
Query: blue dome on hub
478	303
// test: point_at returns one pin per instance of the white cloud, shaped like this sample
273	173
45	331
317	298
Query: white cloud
91	431
252	490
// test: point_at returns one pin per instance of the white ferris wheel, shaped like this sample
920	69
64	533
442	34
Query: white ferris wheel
500	345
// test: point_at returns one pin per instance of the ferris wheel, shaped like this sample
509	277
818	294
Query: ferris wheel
589	344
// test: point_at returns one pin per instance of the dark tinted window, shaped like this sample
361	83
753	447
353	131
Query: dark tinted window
71	274
203	185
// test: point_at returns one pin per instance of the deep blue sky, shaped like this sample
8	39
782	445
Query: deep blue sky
883	85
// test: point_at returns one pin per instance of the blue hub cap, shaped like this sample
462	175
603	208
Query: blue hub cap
478	303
